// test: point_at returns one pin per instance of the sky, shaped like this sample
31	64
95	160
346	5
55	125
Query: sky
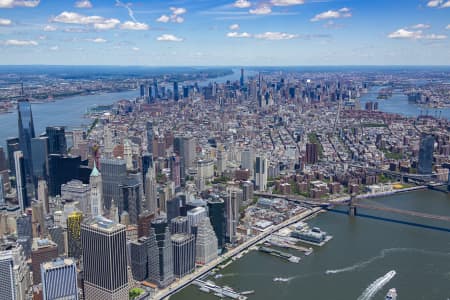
225	32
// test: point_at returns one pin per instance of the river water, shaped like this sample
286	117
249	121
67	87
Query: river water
362	251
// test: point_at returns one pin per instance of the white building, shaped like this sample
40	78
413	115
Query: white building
14	274
206	244
95	182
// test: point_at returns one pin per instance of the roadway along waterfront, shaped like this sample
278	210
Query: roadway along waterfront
176	286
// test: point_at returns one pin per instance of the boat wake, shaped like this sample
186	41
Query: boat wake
383	254
377	285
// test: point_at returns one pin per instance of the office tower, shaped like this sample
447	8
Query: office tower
59	279
38	219
23	226
195	216
104	260
114	173
185	147
144	222
241	81
261	173
142	90
216	208
175	175
77	191
43	250
151	194
155	89
57	236
232	215
14	274
247	192
146	162
39	152
26	133
139	258
312	153
221	161
3	162
183	249
57	143
2	192
176	93
12	145
128	155
131	198
426	149
108	144
21	185
96	195
247	160
173	208
43	195
150	136
74	234
179	225
160	256
62	169
206	243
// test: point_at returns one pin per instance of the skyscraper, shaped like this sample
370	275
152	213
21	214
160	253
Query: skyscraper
206	243
57	143
43	250
39	152
104	260
241	81
146	162
77	191
131	199
151	195
176	93
216	208
74	234
232	215
183	248
312	153
139	258
114	173
195	216
96	196
144	222
173	208
175	175
12	145
26	133
21	185
2	192
160	256
14	273
59	279
150	136
247	160
128	154
426	149
261	173
179	225
62	169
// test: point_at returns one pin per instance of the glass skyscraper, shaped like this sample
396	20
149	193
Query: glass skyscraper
26	133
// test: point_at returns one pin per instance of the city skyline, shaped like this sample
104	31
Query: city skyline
182	33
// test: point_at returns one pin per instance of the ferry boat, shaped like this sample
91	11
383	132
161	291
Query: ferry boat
281	279
391	295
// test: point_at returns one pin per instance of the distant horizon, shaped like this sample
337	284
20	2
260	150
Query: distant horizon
223	66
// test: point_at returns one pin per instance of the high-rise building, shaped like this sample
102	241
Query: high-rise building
14	274
179	225
3	162
160	256
175	175
248	160
104	260
183	248
312	153
57	236
232	215
108	144
151	194
221	161
206	243
142	90
195	216
139	258
43	250
96	195
150	136
173	208
74	234
21	185
144	222
131	198
57	143
26	133
39	152
426	149
43	195
241	81
216	208
23	226
77	191
114	173
38	219
128	154
261	173
62	169
185	146
176	93
59	279
146	162
12	145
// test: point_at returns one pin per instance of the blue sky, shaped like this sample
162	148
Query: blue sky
229	32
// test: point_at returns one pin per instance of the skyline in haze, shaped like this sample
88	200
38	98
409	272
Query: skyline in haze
214	33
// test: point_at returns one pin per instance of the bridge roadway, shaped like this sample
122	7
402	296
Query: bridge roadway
188	279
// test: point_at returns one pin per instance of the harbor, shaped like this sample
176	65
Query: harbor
281	254
219	291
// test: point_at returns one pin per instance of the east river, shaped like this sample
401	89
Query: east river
362	251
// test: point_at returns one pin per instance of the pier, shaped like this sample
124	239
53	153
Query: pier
221	292
287	256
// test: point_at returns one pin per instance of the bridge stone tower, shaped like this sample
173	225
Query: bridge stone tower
448	182
352	207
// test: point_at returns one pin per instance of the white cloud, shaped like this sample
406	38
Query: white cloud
276	36
178	10
176	19
97	40
448	27
333	14
262	10
83	4
135	49
128	7
5	22
97	22
286	2
163	19
403	33
234	27
439	3
421	26
18	3
169	38
54	48
20	43
238	34
129	25
49	28
242	4
435	36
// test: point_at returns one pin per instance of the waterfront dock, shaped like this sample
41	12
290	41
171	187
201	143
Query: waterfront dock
287	256
221	292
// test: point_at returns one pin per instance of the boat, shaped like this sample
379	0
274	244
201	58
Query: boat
217	276
391	295
281	279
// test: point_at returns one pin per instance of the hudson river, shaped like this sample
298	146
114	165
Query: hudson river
362	251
